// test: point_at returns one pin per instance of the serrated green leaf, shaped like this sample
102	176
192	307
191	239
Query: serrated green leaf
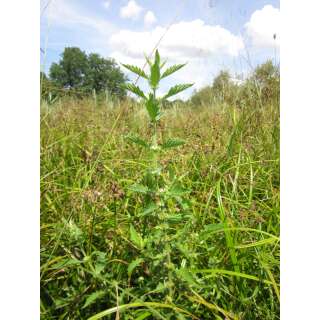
139	141
157	58
135	89
177	190
152	108
172	143
149	180
136	70
155	76
133	265
93	297
155	71
177	89
187	276
174	218
149	209
172	70
184	203
139	188
136	238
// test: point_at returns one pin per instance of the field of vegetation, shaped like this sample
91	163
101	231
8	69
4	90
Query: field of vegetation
202	244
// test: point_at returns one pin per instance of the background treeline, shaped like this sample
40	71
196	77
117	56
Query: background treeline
260	88
80	75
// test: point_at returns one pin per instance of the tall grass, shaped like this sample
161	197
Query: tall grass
225	258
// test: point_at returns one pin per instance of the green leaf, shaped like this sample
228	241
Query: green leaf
157	58
135	89
155	76
133	265
186	275
149	305
175	218
93	297
177	190
136	238
139	188
206	233
143	315
65	263
152	108
149	209
172	70
172	143
136	70
257	243
155	71
139	141
177	89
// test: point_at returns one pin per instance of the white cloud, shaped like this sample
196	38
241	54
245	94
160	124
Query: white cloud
149	18
131	11
199	44
262	26
184	40
106	4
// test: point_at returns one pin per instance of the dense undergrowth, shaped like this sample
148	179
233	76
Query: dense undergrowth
225	256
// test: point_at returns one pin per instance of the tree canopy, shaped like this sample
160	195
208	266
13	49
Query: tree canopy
79	71
261	86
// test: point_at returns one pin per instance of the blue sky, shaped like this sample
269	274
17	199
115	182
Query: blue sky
210	35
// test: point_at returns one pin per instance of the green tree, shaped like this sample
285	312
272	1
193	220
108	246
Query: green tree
267	79
49	91
223	88
77	70
104	74
71	70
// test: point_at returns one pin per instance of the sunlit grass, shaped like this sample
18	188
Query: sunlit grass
225	257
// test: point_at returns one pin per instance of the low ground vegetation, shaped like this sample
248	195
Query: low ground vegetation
97	260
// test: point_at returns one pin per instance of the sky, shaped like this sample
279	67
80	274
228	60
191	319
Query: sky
210	35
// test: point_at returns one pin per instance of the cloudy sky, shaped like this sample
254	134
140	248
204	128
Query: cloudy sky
210	35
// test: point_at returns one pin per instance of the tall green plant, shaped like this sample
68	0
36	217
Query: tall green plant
163	195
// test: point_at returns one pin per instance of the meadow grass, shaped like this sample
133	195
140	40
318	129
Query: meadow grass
225	259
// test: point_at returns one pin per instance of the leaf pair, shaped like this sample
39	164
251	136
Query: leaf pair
152	106
170	143
154	79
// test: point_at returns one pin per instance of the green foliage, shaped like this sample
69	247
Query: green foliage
136	70
152	106
172	70
136	238
84	73
172	143
134	89
71	70
267	79
155	72
104	74
177	89
132	232
139	141
260	88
